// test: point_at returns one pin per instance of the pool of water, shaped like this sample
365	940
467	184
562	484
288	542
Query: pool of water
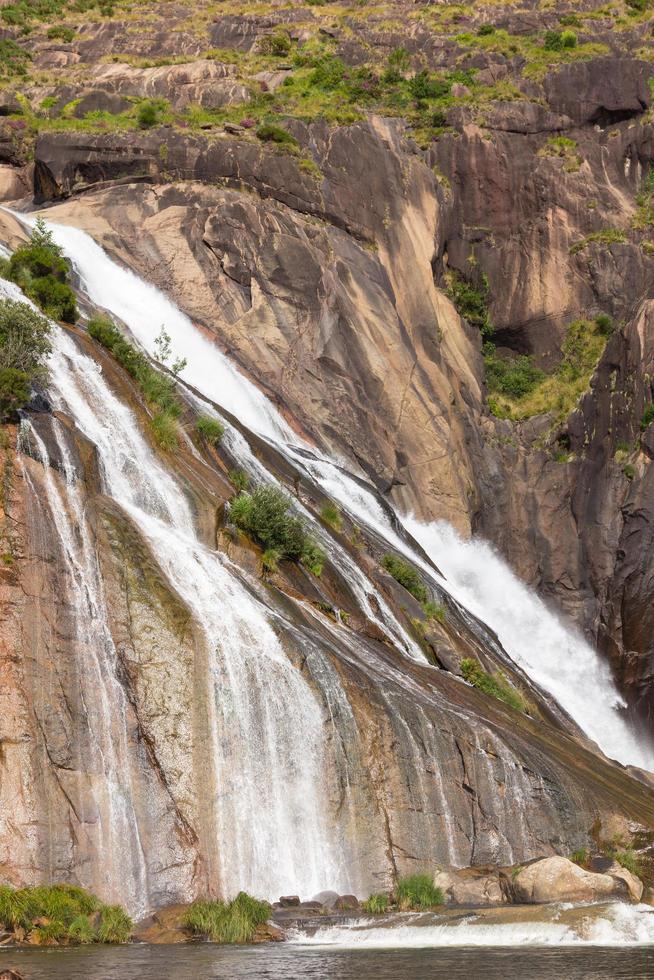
285	962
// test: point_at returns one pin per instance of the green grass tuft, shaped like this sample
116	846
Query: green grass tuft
418	893
210	429
232	922
496	686
377	904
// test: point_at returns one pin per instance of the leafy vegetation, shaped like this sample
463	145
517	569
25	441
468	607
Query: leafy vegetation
65	913
265	514
647	417
521	391
24	350
376	904
496	685
210	429
228	922
406	575
418	893
159	389
13	58
41	271
471	301
515	377
629	860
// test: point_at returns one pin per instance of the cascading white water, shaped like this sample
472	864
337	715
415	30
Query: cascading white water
557	658
272	814
607	925
552	654
103	763
145	309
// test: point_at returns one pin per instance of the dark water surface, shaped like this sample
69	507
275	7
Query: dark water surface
283	962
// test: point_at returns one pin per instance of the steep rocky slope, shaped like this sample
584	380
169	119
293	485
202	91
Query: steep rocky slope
330	267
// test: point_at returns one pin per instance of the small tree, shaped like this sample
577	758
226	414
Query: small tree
24	349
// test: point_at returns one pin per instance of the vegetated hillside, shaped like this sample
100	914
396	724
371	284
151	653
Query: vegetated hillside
426	231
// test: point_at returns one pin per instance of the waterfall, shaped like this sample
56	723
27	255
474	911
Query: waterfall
271	808
550	652
101	750
557	658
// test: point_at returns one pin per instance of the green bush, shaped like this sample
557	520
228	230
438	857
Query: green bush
41	271
13	58
277	44
604	323
313	557
231	922
418	893
485	30
15	390
496	686
377	904
647	417
406	575
515	377
66	910
147	115
264	514
165	429
24	350
59	32
328	73
210	429
270	133
559	41
425	86
471	302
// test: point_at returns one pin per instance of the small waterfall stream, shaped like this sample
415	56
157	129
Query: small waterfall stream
552	654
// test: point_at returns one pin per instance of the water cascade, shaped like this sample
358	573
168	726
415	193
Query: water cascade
551	653
272	815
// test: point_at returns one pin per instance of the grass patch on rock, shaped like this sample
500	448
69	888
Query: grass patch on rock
495	685
58	914
232	922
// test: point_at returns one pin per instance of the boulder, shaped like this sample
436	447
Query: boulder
634	884
604	90
100	101
344	902
289	901
164	926
312	906
556	879
471	886
326	898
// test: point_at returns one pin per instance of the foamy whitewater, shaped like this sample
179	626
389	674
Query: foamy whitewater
552	653
613	925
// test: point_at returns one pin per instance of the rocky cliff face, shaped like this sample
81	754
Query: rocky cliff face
326	267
